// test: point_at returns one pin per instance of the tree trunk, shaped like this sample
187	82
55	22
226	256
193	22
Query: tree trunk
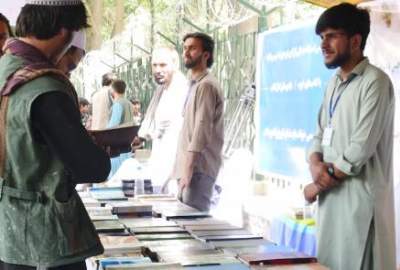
96	8
119	17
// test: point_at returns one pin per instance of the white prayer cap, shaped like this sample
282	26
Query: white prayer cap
79	40
53	2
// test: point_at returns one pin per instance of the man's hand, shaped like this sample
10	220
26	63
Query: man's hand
136	143
311	192
187	173
186	178
323	180
321	177
164	187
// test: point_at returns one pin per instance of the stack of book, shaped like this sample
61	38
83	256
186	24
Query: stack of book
228	266
99	210
91	202
145	222
147	266
116	244
111	262
157	230
161	208
200	259
308	266
276	258
107	193
108	226
130	207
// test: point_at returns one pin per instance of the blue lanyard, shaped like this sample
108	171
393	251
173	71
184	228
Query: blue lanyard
332	106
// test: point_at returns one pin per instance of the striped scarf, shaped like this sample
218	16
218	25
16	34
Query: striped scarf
35	65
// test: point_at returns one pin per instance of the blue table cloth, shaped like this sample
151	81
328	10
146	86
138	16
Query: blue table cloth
295	234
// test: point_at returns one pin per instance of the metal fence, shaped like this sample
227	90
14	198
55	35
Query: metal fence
234	67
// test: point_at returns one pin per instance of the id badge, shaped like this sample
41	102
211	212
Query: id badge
327	136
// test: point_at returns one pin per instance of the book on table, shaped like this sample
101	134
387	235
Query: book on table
157	230
105	194
184	214
147	266
164	236
120	243
207	221
198	260
105	263
220	233
227	266
216	238
146	222
276	258
130	207
101	218
225	227
239	243
104	226
262	248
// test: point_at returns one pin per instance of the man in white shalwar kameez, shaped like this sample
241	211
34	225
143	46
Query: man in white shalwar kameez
163	118
351	153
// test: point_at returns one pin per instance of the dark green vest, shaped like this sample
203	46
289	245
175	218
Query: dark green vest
35	227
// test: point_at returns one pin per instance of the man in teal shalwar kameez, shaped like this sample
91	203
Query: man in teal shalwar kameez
351	153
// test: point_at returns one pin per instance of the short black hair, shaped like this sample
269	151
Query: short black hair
347	17
107	79
119	86
207	42
134	101
44	22
7	22
83	101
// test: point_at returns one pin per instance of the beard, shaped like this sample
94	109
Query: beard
159	79
191	63
339	60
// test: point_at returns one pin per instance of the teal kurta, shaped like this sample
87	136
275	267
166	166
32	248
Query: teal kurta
359	213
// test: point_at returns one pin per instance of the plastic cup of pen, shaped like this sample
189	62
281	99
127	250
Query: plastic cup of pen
128	187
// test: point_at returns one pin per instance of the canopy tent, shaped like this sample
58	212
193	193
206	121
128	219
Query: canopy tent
330	3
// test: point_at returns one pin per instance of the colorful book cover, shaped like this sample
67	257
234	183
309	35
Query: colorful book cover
106	262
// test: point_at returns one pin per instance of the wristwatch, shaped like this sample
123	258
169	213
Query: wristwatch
331	171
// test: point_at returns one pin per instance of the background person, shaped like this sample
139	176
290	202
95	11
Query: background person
5	31
201	139
163	118
102	102
121	115
137	114
84	107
